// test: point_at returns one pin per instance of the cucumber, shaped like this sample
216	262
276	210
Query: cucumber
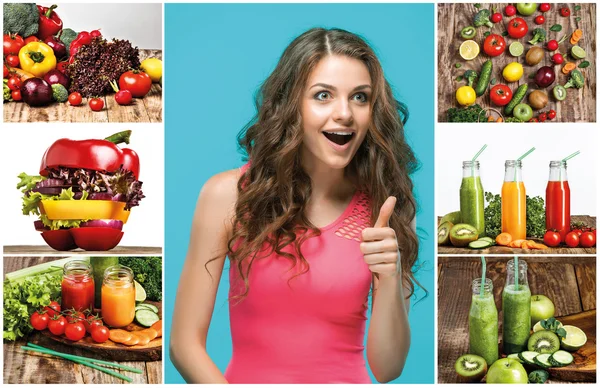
488	239
146	317
542	360
517	98
147	306
515	356
480	244
560	358
484	78
528	357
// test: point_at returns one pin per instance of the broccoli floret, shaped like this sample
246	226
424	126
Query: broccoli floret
7	91
576	80
482	18
148	272
59	93
539	35
470	76
21	18
67	35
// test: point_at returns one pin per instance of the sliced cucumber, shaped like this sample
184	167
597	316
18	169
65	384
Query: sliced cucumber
515	356
488	239
148	306
479	244
143	308
542	360
560	358
528	357
146	317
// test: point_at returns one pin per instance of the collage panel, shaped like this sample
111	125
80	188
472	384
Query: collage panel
514	63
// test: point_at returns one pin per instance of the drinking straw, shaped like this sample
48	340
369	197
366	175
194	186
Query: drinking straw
516	273
92	360
475	158
527	153
482	276
574	154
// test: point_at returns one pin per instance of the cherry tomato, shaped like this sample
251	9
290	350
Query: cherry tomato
587	240
565	11
544	7
517	28
542	117
572	239
12	44
137	82
100	334
95	33
52	309
551	114
14	83
540	19
96	104
57	325
75	98
75	331
558	58
16	95
92	321
39	321
123	97
75	316
500	95
496	18
552	238
12	60
510	10
552	45
494	45
534	120
6	72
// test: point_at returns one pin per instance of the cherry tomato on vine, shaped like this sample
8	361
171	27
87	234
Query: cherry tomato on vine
572	239
100	334
75	316
52	309
75	331
587	240
39	321
57	325
552	238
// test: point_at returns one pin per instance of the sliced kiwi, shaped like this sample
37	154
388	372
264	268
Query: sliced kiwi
444	233
543	342
462	234
470	368
453	217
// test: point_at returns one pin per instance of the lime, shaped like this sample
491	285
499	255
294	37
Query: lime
469	49
577	52
538	326
575	339
515	49
140	293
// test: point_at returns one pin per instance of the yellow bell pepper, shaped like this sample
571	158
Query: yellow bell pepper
37	58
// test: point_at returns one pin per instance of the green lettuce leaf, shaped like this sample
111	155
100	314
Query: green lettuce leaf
28	182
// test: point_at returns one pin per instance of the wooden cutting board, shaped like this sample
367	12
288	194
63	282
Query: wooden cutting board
119	352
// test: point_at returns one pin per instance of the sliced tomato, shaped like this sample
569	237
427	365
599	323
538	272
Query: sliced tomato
61	239
96	238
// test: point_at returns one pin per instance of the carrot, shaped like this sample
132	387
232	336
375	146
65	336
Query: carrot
531	244
568	67
158	327
133	341
577	34
491	119
524	244
540	246
499	120
503	239
151	332
144	338
23	75
119	336
516	243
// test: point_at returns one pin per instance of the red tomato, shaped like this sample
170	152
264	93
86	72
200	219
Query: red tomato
100	334
587	240
75	98
12	60
494	45
96	104
137	82
16	95
96	238
39	321
539	19
14	83
75	331
517	28
565	11
551	114
60	239
552	239
510	10
578	231
31	38
92	321
544	7
500	95
12	44
572	239
6	72
75	316
57	325
496	18
542	117
552	45
52	309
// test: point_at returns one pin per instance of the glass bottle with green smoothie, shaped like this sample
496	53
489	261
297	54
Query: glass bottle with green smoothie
516	308
471	197
483	322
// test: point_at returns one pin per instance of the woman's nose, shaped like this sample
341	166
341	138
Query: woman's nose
342	112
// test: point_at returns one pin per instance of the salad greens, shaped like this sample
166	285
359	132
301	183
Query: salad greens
535	215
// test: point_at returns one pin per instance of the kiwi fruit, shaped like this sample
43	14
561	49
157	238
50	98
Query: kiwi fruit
453	217
470	368
462	234
543	342
444	233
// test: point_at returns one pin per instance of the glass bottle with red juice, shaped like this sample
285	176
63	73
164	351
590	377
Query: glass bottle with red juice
558	199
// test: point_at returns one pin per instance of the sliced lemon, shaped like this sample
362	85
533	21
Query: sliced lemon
469	49
538	326
577	52
575	339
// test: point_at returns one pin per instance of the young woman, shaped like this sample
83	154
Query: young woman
321	214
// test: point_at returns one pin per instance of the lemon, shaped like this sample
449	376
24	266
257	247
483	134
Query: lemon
469	49
538	326
465	95
513	72
152	67
575	339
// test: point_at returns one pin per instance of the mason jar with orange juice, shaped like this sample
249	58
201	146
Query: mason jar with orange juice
118	296
514	201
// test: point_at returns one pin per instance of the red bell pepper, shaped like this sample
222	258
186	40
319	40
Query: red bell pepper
92	154
50	22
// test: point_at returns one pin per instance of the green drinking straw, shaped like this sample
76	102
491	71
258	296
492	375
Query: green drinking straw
574	154
482	276
516	273
521	158
475	158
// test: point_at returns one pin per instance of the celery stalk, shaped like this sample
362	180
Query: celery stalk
51	267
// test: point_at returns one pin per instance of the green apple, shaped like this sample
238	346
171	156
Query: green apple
541	308
523	112
507	371
526	9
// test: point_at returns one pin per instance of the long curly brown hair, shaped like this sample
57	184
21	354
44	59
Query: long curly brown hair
274	190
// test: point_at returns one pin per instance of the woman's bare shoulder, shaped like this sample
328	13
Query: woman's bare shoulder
219	195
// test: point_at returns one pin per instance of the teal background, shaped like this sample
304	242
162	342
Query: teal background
216	56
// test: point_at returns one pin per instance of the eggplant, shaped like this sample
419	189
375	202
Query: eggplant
57	77
36	92
545	76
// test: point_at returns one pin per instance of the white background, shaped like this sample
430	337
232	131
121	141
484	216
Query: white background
456	143
21	150
141	24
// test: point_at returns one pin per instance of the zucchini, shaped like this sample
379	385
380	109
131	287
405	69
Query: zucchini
146	317
484	78
148	307
517	98
480	244
542	360
560	358
528	357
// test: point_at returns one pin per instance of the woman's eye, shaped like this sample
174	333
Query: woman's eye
360	97
322	96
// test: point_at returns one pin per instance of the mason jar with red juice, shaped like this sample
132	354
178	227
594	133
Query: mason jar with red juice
558	199
77	288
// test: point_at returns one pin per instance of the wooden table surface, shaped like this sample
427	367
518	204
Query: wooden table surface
500	250
45	250
141	110
570	282
580	105
24	367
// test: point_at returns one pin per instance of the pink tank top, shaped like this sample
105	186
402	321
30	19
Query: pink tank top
312	329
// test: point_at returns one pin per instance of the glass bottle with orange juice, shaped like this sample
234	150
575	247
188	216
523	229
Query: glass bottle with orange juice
513	201
118	296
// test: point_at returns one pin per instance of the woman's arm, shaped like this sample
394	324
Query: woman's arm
197	289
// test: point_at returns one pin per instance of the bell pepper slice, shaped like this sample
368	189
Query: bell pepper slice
84	210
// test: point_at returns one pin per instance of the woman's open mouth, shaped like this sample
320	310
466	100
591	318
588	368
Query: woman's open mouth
340	138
